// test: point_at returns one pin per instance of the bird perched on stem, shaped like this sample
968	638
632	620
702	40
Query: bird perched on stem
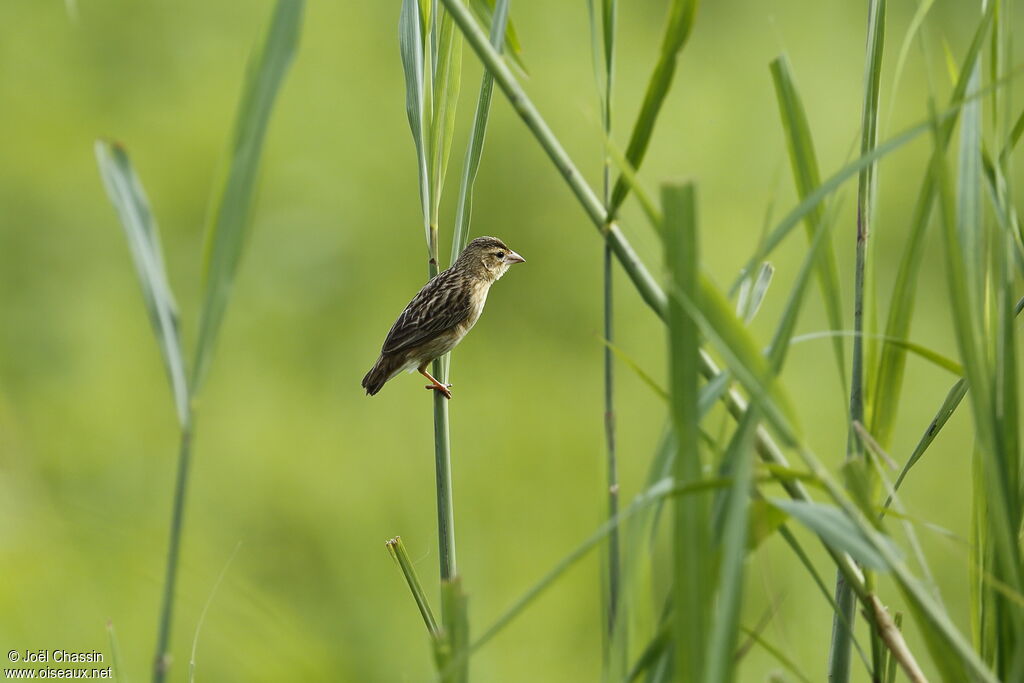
441	314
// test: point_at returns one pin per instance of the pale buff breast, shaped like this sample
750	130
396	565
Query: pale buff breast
445	342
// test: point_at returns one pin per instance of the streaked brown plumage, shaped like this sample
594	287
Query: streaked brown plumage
441	314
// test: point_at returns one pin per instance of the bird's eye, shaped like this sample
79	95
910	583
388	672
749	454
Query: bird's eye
499	254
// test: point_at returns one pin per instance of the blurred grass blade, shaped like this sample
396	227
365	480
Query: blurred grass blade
446	87
916	22
652	652
397	550
931	355
835	529
485	11
996	512
232	206
677	31
776	653
116	666
692	577
718	323
649	496
628	175
642	374
783	337
454	605
206	608
949	405
884	404
752	292
807	178
475	146
738	464
410	43
140	229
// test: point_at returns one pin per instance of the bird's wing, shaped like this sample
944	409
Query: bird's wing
442	304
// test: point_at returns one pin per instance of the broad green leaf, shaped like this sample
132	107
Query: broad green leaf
693	582
807	177
835	529
230	215
140	230
677	31
477	134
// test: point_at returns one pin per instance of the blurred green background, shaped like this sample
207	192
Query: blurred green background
292	461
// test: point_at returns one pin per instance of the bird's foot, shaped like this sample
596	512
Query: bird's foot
444	389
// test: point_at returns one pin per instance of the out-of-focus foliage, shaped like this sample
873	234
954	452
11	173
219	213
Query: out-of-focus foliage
291	459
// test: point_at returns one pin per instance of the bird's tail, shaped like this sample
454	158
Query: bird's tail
383	370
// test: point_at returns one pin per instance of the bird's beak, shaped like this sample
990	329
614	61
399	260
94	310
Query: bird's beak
513	257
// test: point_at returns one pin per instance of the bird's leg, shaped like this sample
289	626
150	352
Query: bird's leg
435	385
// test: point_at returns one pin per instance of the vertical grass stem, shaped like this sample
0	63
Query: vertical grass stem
163	656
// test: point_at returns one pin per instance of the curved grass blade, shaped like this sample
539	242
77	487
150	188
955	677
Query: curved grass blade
410	43
835	529
932	356
662	489
116	666
206	608
775	652
446	87
628	360
713	315
884	403
140	230
475	146
628	175
738	465
916	22
752	292
807	177
998	519
230	215
485	11
677	31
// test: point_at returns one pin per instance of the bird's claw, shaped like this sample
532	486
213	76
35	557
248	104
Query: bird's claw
442	388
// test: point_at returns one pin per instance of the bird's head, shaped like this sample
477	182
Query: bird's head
488	258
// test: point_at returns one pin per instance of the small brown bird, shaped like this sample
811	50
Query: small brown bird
441	314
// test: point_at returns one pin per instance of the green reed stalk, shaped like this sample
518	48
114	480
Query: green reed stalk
603	44
163	655
842	619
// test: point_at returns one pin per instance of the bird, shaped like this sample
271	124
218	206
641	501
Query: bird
441	314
